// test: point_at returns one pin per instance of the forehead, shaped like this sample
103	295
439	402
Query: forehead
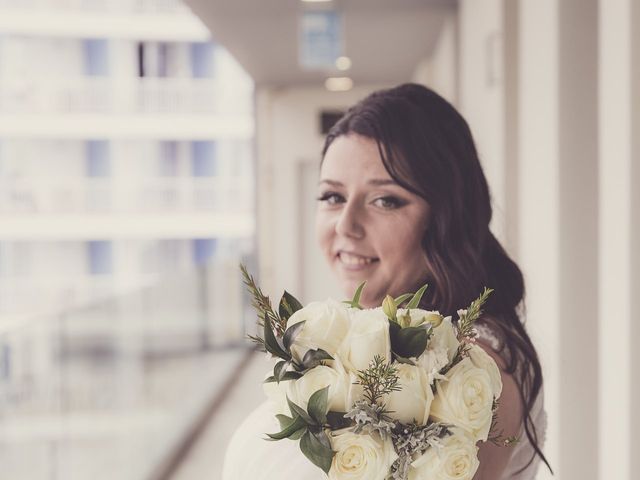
353	157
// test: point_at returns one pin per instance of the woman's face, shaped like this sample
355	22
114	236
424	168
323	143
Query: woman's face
369	227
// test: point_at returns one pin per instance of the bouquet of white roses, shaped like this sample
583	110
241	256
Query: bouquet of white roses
390	392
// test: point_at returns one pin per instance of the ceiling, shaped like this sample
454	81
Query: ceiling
385	39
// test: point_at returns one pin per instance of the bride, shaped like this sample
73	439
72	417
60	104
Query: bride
403	201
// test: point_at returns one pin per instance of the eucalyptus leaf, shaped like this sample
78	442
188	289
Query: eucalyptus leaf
288	305
280	369
415	300
298	411
271	342
297	434
286	377
291	333
403	298
317	407
284	421
293	427
337	420
313	358
316	451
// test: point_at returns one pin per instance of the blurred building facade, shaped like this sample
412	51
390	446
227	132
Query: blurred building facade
126	203
125	149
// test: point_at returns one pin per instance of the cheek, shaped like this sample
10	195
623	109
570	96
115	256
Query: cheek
324	231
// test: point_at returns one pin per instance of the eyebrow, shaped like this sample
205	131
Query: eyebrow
375	181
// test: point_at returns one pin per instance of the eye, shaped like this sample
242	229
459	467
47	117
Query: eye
331	198
389	203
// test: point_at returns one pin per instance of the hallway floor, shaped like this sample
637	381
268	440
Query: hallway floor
204	461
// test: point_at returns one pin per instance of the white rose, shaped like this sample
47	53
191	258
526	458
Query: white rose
368	336
482	359
326	324
456	458
465	399
440	350
444	338
360	456
317	378
432	361
356	391
413	401
419	316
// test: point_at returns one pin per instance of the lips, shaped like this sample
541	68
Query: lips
355	260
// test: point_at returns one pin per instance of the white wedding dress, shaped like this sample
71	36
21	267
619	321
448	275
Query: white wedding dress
250	457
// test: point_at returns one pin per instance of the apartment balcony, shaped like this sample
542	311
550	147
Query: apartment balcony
167	96
102	6
63	195
154	108
140	19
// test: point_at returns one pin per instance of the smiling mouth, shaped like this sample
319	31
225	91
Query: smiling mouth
352	260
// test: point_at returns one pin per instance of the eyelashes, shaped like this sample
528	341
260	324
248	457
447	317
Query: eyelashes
330	197
388	202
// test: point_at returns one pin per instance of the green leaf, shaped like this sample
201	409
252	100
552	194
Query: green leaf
286	377
316	450
284	421
300	412
337	420
415	300
401	359
410	341
403	298
288	305
355	302
291	333
293	427
280	369
313	358
297	434
317	407
271	342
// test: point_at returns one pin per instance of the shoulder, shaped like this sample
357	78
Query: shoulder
493	458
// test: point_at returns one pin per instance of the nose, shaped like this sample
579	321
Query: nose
349	223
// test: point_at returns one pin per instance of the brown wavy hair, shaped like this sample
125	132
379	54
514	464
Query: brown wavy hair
427	148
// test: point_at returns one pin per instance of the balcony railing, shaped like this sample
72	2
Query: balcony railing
50	195
100	95
112	389
101	6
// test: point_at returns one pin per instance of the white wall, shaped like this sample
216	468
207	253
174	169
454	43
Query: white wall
482	95
440	70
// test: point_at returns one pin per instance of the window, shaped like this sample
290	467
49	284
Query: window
204	250
96	57
97	158
100	254
203	158
202	60
168	164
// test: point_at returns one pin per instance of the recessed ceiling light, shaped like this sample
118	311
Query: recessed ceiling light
343	63
316	1
338	84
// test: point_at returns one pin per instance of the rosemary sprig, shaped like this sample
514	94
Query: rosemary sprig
261	303
471	314
379	379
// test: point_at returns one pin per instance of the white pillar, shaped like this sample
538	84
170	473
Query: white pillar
558	218
538	180
619	210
